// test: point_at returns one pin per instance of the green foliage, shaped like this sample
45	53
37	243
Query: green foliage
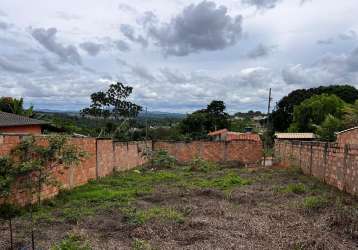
7	176
15	106
350	117
199	123
141	245
314	203
201	165
282	117
313	111
296	188
72	242
327	129
162	159
225	182
134	217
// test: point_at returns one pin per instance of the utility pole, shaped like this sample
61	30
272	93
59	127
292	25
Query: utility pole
267	126
146	124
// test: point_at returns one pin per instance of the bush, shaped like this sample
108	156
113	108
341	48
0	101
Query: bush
72	242
201	165
314	203
162	159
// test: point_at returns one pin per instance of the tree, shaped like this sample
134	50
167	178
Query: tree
327	129
313	111
200	122
350	117
282	116
34	163
15	106
7	177
113	103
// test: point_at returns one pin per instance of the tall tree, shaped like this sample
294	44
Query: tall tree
15	106
113	104
313	112
282	116
199	123
350	117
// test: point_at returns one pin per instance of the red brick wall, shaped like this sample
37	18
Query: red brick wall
332	163
29	129
348	137
128	155
246	152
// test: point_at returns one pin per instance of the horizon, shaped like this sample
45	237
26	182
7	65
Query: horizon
55	55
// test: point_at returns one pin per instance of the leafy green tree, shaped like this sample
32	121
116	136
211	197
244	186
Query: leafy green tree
327	129
34	163
313	111
7	177
15	106
350	117
113	104
282	116
200	122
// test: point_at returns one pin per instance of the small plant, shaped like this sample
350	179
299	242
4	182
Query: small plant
72	242
134	217
201	165
314	203
163	159
140	245
296	188
225	182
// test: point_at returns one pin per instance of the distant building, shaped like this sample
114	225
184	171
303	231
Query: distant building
11	123
348	136
226	135
296	136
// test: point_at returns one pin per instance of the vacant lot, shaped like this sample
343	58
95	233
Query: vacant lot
198	207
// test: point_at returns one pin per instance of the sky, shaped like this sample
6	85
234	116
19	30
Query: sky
177	54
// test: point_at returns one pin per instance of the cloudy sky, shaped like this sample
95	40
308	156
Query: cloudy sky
177	54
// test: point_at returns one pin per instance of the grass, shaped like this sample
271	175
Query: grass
72	242
314	203
225	182
141	245
164	214
295	188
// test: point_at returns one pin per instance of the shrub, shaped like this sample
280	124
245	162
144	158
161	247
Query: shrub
162	159
201	165
314	203
72	242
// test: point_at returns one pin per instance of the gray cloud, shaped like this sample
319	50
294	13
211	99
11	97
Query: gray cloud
143	73
327	41
4	25
91	48
126	8
11	66
66	16
47	38
200	27
261	51
48	65
262	4
128	31
122	45
350	35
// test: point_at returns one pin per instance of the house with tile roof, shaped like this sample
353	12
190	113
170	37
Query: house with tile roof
226	135
17	124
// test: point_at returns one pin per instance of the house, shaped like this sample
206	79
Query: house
11	123
296	136
348	136
226	135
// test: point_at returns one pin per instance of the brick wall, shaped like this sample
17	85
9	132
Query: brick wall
29	129
245	152
348	137
333	163
105	156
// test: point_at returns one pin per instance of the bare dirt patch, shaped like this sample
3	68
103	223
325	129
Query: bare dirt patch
181	209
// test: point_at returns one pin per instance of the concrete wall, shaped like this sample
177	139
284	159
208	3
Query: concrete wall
106	156
333	163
